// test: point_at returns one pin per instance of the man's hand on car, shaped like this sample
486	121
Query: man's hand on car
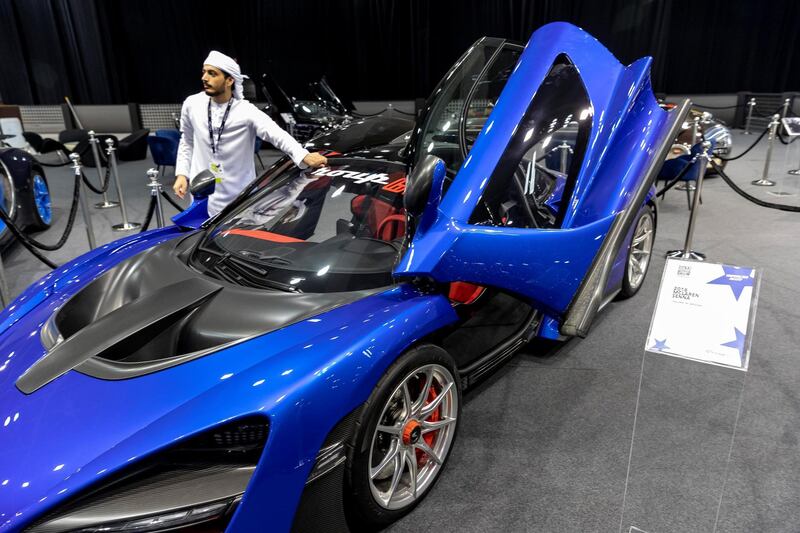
180	186
315	160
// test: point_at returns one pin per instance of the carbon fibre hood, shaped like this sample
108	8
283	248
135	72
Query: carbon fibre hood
152	312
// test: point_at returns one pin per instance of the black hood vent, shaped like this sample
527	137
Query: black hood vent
152	312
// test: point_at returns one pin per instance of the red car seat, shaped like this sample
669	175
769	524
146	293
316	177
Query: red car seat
383	220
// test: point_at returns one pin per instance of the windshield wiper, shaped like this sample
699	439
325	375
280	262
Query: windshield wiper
232	269
265	258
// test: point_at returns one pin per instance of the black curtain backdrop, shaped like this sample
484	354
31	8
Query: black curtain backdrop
151	51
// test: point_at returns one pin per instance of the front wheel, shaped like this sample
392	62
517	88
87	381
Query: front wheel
403	437
639	253
41	207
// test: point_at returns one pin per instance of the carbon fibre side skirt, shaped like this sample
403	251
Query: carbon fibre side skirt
586	302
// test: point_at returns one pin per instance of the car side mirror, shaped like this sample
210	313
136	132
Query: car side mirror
424	185
203	184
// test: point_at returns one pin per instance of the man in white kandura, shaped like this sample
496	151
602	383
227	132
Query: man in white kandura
219	132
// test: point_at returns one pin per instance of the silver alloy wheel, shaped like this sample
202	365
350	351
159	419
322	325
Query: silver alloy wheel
9	193
641	248
413	437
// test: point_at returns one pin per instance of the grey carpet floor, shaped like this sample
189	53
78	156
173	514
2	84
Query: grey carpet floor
545	442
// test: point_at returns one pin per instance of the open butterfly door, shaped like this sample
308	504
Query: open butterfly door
544	200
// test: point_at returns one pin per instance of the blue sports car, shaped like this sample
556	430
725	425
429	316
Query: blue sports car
297	362
24	193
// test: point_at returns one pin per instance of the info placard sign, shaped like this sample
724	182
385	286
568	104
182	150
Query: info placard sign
705	312
791	125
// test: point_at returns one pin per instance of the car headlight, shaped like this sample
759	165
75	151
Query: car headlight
195	486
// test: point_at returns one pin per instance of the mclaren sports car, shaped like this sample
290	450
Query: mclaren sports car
297	362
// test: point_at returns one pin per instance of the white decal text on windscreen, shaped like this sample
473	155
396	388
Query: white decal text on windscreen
357	177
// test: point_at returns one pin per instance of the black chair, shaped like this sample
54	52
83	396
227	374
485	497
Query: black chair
73	136
34	139
134	146
46	145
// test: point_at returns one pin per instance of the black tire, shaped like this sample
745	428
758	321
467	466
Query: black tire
38	222
365	512
8	203
9	190
631	281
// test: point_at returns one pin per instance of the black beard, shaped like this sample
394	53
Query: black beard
210	91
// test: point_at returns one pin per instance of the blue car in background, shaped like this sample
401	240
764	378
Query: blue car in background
24	193
297	362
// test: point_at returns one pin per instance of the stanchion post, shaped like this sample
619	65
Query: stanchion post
688	185
795	171
695	130
773	128
94	142
565	149
112	161
4	297
155	192
702	160
750	105
87	217
785	110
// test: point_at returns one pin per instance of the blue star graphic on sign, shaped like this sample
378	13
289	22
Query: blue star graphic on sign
736	278
738	344
660	345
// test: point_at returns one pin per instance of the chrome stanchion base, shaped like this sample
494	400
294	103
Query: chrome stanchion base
690	255
685	186
745	132
763	183
795	172
108	204
126	227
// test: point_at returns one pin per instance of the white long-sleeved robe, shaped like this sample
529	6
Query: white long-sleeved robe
245	122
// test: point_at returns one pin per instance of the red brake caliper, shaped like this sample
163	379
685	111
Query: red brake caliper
422	457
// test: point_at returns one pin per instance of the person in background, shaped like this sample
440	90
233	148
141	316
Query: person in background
219	128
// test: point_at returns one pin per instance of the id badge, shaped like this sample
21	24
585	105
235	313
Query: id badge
217	170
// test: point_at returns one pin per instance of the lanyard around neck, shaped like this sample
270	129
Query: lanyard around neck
215	147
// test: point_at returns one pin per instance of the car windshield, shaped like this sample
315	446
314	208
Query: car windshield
459	106
337	228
